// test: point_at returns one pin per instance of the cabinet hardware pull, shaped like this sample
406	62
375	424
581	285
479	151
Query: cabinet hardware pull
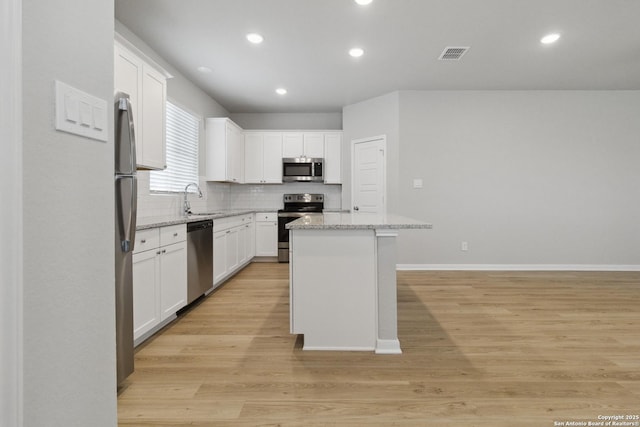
158	253
175	234
164	251
143	241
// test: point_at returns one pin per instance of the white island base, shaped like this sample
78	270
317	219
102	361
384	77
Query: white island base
343	285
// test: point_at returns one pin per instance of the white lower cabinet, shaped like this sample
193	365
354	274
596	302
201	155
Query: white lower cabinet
219	256
250	239
173	279
146	293
159	278
232	245
266	234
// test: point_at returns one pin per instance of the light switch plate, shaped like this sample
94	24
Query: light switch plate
79	113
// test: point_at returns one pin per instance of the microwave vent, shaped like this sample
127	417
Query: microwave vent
453	53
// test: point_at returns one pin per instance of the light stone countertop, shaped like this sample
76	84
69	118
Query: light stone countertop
361	221
163	221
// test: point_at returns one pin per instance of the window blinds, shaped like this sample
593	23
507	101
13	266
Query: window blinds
182	137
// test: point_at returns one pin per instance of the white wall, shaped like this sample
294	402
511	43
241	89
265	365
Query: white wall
374	117
538	178
69	319
264	121
11	258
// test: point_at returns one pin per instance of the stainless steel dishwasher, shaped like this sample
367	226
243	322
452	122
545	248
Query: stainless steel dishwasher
199	258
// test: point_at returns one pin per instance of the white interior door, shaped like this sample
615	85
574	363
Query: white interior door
368	193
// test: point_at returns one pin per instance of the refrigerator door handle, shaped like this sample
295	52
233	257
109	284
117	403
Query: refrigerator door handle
126	199
134	208
132	136
125	118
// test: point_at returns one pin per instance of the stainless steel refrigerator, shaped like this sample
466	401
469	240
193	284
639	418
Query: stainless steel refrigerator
126	189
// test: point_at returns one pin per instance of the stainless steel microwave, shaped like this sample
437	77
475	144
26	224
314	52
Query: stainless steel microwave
302	169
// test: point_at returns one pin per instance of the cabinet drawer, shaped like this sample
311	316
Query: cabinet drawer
223	223
231	222
246	219
173	234
266	217
146	240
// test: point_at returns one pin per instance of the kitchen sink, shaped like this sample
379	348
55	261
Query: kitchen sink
205	213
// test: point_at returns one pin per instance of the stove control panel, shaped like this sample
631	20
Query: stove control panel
303	198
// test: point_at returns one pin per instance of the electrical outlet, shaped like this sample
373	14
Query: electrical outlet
464	246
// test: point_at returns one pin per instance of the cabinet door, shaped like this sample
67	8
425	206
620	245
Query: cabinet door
146	292
127	79
251	240
266	238
272	158
216	152
314	144
233	258
235	151
173	278
219	256
292	144
154	98
230	153
333	158
253	158
242	245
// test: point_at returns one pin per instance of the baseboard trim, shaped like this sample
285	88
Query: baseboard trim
518	267
388	346
333	348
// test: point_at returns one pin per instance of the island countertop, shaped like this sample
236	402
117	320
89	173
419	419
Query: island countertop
360	221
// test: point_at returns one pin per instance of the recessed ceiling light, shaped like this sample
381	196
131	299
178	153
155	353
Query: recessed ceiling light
281	91
356	52
204	69
363	2
550	38
255	38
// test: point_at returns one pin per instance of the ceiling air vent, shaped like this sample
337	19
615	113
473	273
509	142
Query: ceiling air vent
453	53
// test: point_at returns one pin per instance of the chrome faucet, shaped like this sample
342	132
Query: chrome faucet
186	204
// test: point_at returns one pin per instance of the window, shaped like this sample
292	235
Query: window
182	135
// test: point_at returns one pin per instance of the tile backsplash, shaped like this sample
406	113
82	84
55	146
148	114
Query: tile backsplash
222	196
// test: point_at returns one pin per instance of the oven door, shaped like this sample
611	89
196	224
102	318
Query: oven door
283	234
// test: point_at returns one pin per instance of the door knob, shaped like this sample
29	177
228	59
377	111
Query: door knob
355	208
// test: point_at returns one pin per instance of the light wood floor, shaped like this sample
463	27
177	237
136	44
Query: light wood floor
480	349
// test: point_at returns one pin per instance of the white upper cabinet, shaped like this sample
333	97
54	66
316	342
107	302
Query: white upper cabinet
299	144
263	157
154	101
225	150
313	145
146	86
255	157
333	158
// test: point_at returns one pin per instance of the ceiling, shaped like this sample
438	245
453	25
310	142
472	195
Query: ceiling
306	43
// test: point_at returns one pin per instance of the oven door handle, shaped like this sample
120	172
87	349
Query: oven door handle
292	214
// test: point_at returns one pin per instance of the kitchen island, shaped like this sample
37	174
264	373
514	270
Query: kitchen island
342	281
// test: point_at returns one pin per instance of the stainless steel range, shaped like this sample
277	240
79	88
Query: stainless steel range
295	206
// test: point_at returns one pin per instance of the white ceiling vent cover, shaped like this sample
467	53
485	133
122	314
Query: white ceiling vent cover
453	53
